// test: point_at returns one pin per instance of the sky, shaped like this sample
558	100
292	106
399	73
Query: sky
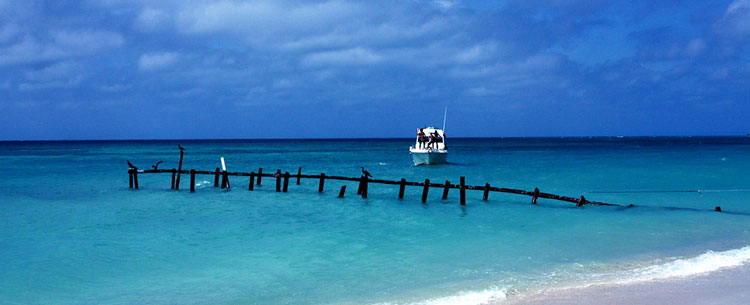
195	69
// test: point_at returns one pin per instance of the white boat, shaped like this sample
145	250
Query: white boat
433	150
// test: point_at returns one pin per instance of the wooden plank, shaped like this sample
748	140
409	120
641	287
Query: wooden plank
179	171
401	188
252	181
364	186
174	173
425	190
286	182
446	187
462	191
192	180
278	180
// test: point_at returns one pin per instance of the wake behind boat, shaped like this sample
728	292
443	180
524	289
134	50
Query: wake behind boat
430	147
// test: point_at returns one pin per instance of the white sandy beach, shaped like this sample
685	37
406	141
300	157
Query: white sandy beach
730	286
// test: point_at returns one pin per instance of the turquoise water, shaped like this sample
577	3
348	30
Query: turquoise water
71	232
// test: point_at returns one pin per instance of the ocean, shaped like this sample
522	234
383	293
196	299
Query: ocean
72	232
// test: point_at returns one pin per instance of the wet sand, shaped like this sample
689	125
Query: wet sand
727	287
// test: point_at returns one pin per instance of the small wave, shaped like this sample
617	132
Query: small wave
481	297
704	263
202	184
382	163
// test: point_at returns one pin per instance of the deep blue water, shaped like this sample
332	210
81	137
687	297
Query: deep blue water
72	232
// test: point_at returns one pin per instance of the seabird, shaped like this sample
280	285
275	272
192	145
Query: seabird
157	165
366	173
180	147
131	165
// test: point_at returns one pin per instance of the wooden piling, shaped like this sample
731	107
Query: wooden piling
225	180
130	178
341	192
359	187
286	182
299	174
462	190
322	182
252	181
425	190
486	191
174	173
192	179
401	188
581	201
216	177
446	187
278	180
536	195
135	178
260	174
364	186
179	171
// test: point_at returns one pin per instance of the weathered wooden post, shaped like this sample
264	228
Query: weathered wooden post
536	195
486	191
216	177
224	179
174	173
252	181
179	169
425	190
192	179
401	188
359	187
446	187
581	201
364	186
341	192
286	181
130	178
322	182
462	190
278	180
135	178
299	174
260	174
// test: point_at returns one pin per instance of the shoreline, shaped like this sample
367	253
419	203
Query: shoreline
727	286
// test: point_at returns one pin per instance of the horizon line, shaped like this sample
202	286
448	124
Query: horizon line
374	138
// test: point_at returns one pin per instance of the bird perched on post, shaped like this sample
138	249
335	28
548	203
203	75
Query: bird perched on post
364	172
131	165
156	166
180	147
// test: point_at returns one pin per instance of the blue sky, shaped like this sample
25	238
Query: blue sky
137	69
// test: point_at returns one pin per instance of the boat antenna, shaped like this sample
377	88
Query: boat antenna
445	115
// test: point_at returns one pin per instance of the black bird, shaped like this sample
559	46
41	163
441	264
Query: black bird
157	165
180	147
366	173
131	165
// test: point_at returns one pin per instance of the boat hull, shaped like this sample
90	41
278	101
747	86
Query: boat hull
426	158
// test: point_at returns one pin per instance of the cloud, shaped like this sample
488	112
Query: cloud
59	44
152	20
156	61
348	57
736	20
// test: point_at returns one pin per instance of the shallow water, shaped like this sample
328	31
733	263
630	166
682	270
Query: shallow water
72	232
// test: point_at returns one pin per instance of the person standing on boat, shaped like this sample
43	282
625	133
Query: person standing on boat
421	138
